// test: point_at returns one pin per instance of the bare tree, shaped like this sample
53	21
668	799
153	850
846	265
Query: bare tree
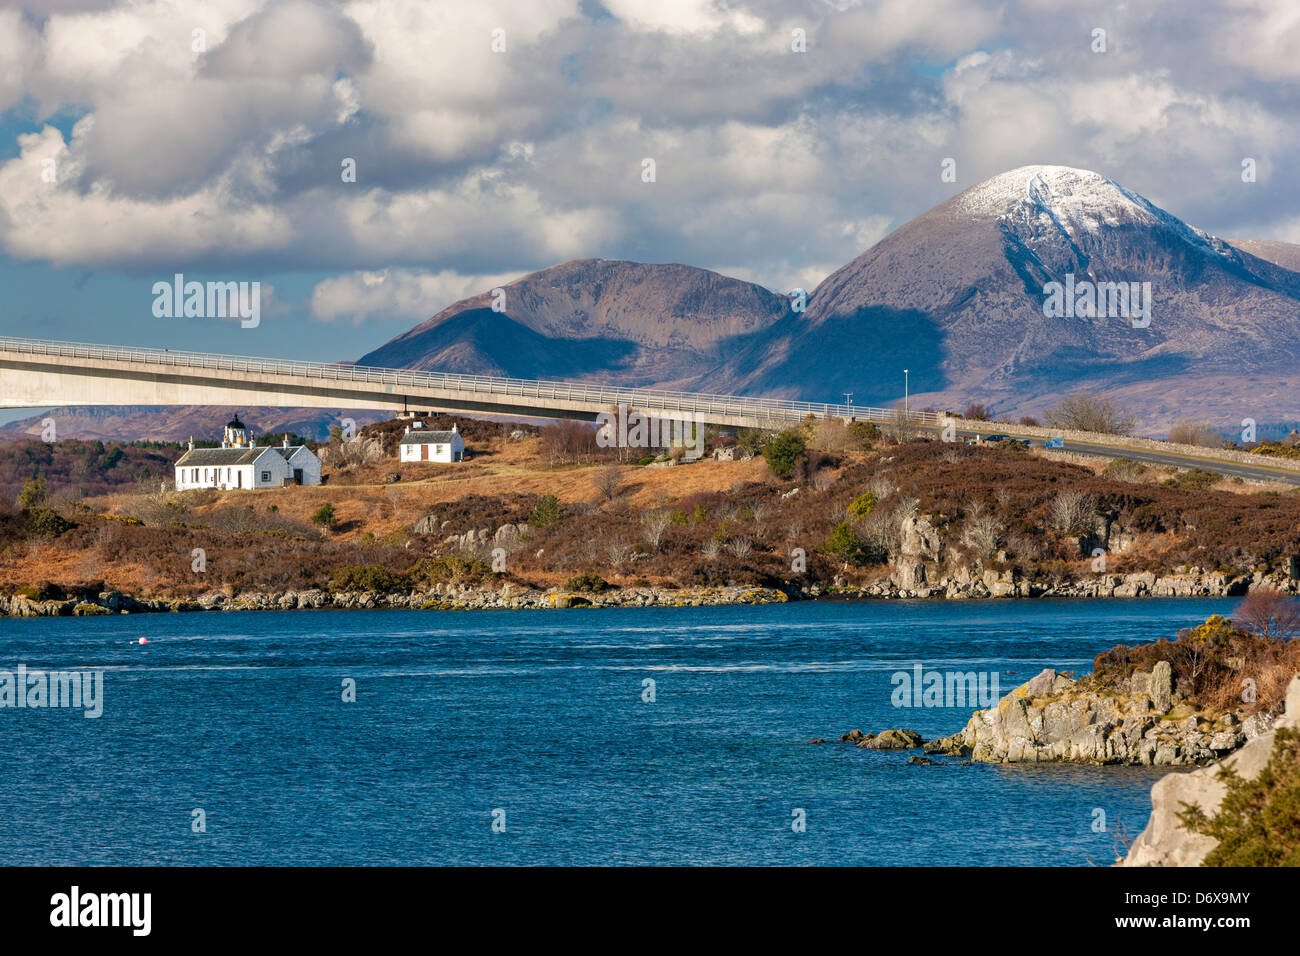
1196	433
1073	512
981	530
656	523
711	549
1269	613
740	548
1091	413
881	487
608	479
903	426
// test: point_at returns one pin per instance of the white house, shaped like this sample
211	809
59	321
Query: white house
238	463
419	444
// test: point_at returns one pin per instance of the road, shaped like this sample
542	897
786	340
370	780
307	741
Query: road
1261	472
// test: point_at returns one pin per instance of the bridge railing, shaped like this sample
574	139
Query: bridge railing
645	399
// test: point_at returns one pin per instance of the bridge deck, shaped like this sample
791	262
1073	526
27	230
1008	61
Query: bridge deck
392	386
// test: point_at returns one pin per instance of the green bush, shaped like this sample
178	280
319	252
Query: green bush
786	454
865	434
449	567
1194	479
369	577
844	544
862	505
34	493
547	512
325	516
1258	822
587	581
47	522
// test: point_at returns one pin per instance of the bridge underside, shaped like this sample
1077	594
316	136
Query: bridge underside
28	383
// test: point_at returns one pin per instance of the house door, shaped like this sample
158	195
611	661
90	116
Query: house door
239	478
297	476
424	450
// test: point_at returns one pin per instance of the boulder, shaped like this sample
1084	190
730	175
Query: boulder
894	740
1164	841
1162	687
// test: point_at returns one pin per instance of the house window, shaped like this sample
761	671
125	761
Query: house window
266	476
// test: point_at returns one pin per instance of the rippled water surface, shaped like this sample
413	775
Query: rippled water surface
540	714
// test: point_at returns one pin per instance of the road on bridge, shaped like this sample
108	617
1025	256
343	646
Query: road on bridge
1232	469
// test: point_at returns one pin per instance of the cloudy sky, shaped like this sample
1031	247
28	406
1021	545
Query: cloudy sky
210	137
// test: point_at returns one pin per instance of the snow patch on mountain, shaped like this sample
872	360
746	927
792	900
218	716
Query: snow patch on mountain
1077	202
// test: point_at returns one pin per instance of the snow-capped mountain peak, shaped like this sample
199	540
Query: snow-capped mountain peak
1077	202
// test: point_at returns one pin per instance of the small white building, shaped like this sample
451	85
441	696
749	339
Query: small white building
420	444
238	463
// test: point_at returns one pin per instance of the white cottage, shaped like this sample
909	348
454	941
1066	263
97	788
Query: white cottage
238	463
419	444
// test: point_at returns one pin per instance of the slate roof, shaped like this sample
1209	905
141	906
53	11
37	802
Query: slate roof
287	452
206	457
422	437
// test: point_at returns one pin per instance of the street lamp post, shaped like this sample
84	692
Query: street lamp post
906	412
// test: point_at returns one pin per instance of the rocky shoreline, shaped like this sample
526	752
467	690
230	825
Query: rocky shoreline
1146	723
1165	841
447	599
1050	719
965	585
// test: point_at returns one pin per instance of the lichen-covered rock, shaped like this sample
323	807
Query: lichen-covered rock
1164	841
1049	718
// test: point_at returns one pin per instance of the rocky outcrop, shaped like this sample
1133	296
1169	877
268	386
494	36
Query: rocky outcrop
885	740
895	740
482	541
441	597
1164	841
915	576
1051	718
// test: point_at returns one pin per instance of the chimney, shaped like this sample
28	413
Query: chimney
286	440
454	428
408	430
191	443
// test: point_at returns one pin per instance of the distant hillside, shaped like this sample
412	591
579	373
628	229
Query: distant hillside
955	296
85	468
602	319
177	423
1284	254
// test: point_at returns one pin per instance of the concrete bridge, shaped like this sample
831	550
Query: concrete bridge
36	373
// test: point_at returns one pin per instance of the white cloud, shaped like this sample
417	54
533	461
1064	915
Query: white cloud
394	294
771	164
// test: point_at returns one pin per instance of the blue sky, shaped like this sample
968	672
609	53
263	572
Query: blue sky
208	137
